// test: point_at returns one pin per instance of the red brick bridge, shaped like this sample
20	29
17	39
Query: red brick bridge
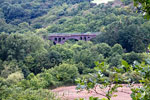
62	38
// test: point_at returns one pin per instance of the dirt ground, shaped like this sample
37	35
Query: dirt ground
70	93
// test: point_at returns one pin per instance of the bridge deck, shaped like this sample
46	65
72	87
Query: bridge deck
74	34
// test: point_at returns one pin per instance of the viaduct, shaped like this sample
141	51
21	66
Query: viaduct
62	38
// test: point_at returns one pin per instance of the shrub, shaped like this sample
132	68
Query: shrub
42	80
115	59
117	48
103	48
18	93
131	57
15	77
64	73
9	68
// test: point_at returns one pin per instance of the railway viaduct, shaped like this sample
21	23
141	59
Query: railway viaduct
62	38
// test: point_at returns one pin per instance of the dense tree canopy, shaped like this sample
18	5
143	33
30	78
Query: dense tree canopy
31	64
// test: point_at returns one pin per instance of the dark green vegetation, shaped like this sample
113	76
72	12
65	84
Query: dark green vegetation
32	54
119	24
29	65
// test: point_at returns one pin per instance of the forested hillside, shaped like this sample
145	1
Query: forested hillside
29	64
118	21
14	13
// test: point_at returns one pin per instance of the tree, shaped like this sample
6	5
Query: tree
103	48
105	78
142	69
144	5
65	52
1	67
117	48
14	78
9	67
132	56
115	60
64	73
42	80
3	53
87	57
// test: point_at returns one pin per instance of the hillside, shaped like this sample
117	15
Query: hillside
31	66
35	14
15	12
115	19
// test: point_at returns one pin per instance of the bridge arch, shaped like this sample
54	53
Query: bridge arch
71	39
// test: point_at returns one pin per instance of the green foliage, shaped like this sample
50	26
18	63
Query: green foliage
92	98
142	69
31	54
28	63
118	24
1	67
131	36
54	58
81	67
144	5
103	48
131	57
18	46
117	48
116	75
9	90
87	57
59	75
17	93
126	2
3	86
14	78
115	59
65	53
9	67
100	79
42	80
64	73
16	12
23	50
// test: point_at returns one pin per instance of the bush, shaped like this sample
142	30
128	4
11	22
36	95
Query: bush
80	67
64	73
131	57
103	48
1	66
15	77
115	60
42	80
3	86
117	48
18	93
88	70
9	67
